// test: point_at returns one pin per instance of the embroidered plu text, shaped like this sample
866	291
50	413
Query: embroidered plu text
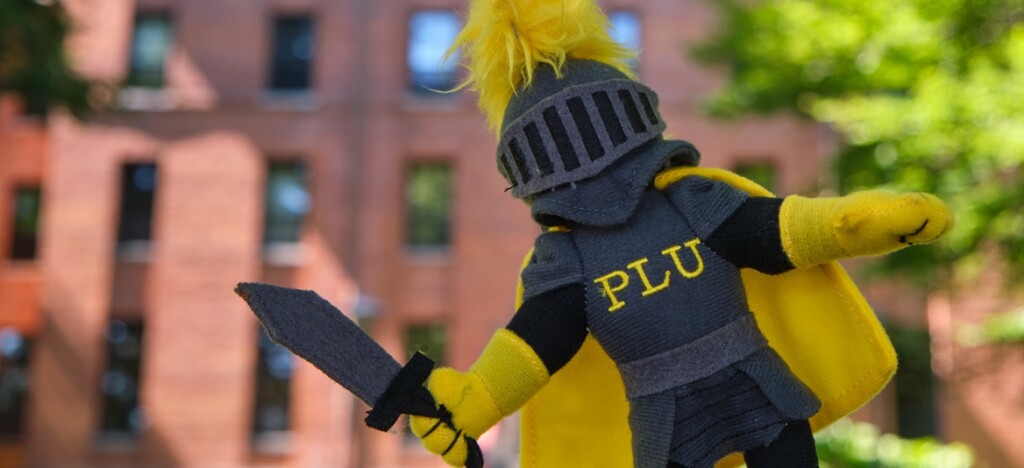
618	280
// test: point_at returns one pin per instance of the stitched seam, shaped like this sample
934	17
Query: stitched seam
787	235
851	307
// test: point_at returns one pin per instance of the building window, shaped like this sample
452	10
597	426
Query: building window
287	202
150	42
294	46
431	33
429	339
272	409
625	29
763	173
26	223
14	382
138	187
122	415
428	201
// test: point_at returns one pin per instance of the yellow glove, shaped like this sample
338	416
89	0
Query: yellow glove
507	374
873	222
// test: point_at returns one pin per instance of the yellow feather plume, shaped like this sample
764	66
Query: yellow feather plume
505	40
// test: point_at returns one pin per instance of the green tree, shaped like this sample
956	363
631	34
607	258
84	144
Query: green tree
33	64
926	95
848	444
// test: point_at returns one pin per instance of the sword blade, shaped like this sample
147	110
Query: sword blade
318	332
315	330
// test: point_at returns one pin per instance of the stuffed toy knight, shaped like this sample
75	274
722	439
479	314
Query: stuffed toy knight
722	324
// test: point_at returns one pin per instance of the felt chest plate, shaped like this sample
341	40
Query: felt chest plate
652	283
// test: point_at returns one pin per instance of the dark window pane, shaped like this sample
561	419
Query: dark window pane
287	202
762	173
14	382
428	199
293	53
431	32
138	186
120	384
274	368
26	223
429	339
626	30
914	382
150	41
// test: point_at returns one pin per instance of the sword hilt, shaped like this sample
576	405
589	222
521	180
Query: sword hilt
407	395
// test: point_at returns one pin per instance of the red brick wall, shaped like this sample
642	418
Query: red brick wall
200	339
77	247
358	131
22	163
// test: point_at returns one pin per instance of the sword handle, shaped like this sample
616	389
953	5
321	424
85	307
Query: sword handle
407	395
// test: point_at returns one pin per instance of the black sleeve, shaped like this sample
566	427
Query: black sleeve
750	238
554	324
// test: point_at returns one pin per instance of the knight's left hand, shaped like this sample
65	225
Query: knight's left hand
470	412
875	222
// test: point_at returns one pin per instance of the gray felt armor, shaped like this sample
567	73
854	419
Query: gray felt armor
672	314
560	133
701	380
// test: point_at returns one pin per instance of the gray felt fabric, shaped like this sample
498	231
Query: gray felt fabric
555	263
786	392
531	157
729	405
704	203
611	198
312	328
721	414
573	103
649	420
694	360
685	311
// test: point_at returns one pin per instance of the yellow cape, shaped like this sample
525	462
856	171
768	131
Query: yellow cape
815	318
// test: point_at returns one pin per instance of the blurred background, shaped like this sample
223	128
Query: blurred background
153	153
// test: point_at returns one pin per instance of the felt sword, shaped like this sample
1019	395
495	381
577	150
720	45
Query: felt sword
315	330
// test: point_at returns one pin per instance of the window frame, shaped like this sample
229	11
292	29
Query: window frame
271	441
426	90
135	249
105	436
272	58
637	61
12	247
131	80
420	250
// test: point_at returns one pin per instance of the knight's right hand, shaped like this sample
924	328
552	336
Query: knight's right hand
467	409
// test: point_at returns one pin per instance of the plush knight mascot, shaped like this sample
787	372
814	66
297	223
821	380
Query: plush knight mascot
669	315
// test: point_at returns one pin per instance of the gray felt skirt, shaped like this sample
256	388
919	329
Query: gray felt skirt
733	410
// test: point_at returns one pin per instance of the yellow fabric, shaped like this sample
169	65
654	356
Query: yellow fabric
873	222
815	318
510	390
504	41
505	376
808	243
472	407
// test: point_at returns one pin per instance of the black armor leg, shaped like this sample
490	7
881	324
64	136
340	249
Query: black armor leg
794	448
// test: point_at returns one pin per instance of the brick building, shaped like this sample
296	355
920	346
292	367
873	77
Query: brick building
293	142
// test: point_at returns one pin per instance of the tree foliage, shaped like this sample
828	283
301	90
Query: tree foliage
848	444
926	95
33	64
1003	328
